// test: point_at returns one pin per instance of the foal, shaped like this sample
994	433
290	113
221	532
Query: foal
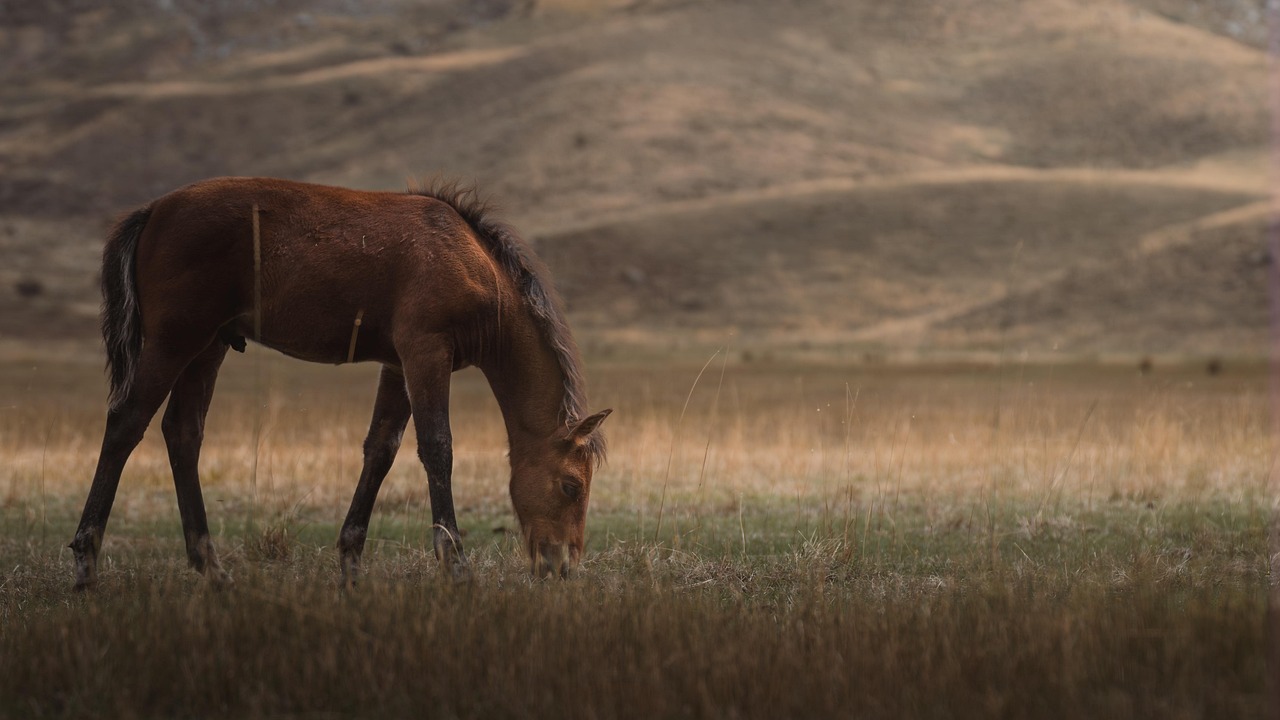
424	283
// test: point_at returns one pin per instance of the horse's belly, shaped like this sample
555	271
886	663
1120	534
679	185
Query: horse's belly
333	339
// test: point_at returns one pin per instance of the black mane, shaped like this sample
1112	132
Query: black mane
532	279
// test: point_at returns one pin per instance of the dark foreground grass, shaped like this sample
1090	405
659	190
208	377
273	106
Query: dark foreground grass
1033	625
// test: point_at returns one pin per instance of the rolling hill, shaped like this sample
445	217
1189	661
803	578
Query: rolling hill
908	176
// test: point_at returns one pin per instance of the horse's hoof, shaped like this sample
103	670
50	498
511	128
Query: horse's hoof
350	572
86	579
461	574
219	579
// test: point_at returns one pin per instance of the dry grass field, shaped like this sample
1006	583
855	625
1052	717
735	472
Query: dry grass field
774	539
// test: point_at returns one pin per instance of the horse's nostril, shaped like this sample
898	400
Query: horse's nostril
552	560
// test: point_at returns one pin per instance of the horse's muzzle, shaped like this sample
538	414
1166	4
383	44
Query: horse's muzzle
553	560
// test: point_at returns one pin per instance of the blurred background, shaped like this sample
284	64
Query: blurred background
1069	178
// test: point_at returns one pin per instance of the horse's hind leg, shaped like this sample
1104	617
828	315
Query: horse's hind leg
126	422
183	427
390	415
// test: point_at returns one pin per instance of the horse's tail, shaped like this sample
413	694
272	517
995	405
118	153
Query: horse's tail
121	318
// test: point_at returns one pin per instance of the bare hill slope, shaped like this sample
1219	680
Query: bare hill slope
1167	297
756	165
884	263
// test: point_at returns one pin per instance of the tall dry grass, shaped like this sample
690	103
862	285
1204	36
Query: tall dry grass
1016	541
820	437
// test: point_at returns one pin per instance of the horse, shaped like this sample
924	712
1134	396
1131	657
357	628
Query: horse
424	282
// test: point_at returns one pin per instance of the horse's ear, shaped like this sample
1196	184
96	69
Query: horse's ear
580	432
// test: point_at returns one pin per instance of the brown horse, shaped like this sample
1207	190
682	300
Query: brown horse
423	282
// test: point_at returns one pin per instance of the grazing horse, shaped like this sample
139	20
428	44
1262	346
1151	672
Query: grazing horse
424	282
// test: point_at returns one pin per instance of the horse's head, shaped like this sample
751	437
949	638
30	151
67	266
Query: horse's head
550	487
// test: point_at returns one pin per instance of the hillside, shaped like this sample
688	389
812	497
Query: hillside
890	263
904	175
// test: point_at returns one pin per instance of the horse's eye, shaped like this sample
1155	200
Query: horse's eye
571	488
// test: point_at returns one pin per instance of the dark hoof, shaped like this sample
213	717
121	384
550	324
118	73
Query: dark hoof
350	567
219	579
460	573
348	584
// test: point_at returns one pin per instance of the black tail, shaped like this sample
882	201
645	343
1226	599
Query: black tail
121	319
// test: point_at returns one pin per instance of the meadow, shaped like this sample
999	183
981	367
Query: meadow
770	537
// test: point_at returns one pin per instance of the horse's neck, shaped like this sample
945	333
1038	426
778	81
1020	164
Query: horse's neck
527	381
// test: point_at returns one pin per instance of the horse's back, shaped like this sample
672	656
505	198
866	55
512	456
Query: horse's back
315	259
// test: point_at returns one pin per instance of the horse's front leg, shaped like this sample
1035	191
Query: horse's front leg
390	415
427	372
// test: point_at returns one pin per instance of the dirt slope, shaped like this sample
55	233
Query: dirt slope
883	263
1170	298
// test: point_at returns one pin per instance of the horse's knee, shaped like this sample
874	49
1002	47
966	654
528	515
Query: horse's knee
435	450
435	443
